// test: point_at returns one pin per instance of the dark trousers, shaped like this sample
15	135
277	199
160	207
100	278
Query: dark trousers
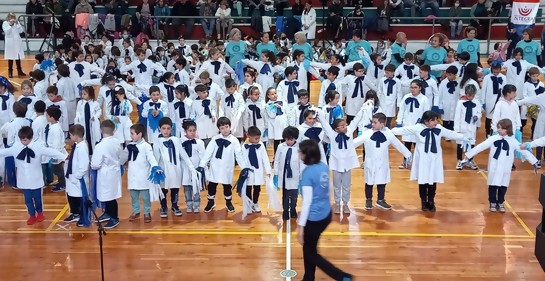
381	189
539	153
389	122
256	189
496	194
173	197
349	119
75	204
427	192
289	200
47	171
488	126
58	170
311	257
111	209
448	124
522	123
188	23
275	145
533	126
460	151
212	187
17	63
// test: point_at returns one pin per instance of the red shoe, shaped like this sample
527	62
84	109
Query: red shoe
40	217
31	220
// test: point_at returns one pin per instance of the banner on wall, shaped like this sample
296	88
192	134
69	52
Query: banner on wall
523	14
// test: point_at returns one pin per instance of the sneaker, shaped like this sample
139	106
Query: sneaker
431	206
209	206
293	214
196	209
285	215
337	209
134	216
112	223
256	208
147	218
425	206
538	164
402	166
346	210
229	206
501	207
368	204
459	165
80	223
189	210
104	217
177	212
163	213
58	188
493	207
472	165
31	220
72	218
40	217
382	204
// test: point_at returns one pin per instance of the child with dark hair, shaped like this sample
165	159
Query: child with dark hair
467	118
232	106
54	138
119	112
254	113
276	116
203	111
88	115
7	99
491	92
358	84
181	107
389	93
194	147
153	110
427	167
330	84
55	100
258	160
27	97
287	171
449	94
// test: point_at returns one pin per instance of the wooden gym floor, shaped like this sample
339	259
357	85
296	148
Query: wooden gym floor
461	241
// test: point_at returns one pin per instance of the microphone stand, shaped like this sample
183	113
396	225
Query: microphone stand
101	232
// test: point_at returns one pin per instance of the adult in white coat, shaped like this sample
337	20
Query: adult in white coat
308	21
13	49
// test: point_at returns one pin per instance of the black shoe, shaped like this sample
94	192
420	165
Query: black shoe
10	73
209	206
72	218
425	206
104	217
431	206
177	212
229	205
111	224
285	215
20	73
293	214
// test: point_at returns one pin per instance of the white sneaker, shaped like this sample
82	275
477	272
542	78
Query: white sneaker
472	165
459	165
493	207
337	209
346	210
501	207
256	209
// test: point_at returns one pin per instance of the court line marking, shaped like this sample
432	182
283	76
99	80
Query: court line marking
510	208
57	218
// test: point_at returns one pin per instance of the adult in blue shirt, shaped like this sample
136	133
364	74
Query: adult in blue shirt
531	49
398	49
435	54
266	45
316	212
236	48
301	44
471	45
356	45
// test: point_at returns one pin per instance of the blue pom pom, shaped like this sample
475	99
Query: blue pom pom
156	177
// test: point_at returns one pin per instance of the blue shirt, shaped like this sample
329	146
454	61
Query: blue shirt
397	49
317	176
472	47
530	50
266	47
353	52
306	48
434	56
236	51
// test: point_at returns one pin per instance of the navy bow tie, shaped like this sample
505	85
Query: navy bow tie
331	87
179	105
133	151
252	154
5	99
26	100
221	143
451	86
358	88
143	68
169	144
313	133
79	69
378	137
206	105
188	146
170	92
518	66
462	69
377	68
46	131
496	82
70	161
266	69
390	82
500	145
424	86
292	90
469	110
230	100
156	105
341	140
430	143
127	52
216	65
288	173
413	102
110	93
256	113
26	153
409	70
302	109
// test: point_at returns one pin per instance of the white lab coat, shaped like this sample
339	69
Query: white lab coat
355	99
233	112
538	100
276	123
447	100
489	97
389	101
80	170
309	19
106	159
94	121
408	118
163	107
461	126
222	169
206	125
295	163
197	152
13	49
140	168
257	177
124	123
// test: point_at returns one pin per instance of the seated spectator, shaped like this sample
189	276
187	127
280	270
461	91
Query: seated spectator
162	20
84	7
456	24
397	8
223	20
412	5
481	9
334	20
208	9
256	4
33	7
384	12
187	9
432	4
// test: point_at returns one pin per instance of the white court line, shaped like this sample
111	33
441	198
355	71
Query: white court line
288	248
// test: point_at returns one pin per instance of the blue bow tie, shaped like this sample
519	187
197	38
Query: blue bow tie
341	140
430	143
500	145
133	151
216	65
540	90
256	113
378	137
292	90
288	173
496	81
26	153
179	105
79	69
143	68
302	109
313	133
390	82
206	105
46	131
424	86
518	66
188	146
230	99
70	161
279	109
252	154
177	77
409	70
413	102
266	69
127	52
26	100
462	69
469	105
451	86
358	88
221	143
377	68
5	99
110	93
156	105
171	151
170	92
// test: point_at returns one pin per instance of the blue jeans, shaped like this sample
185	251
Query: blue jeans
33	201
208	26
135	201
193	201
433	5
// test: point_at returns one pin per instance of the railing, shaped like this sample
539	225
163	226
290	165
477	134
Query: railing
433	21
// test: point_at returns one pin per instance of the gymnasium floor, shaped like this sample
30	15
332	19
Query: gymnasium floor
461	241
